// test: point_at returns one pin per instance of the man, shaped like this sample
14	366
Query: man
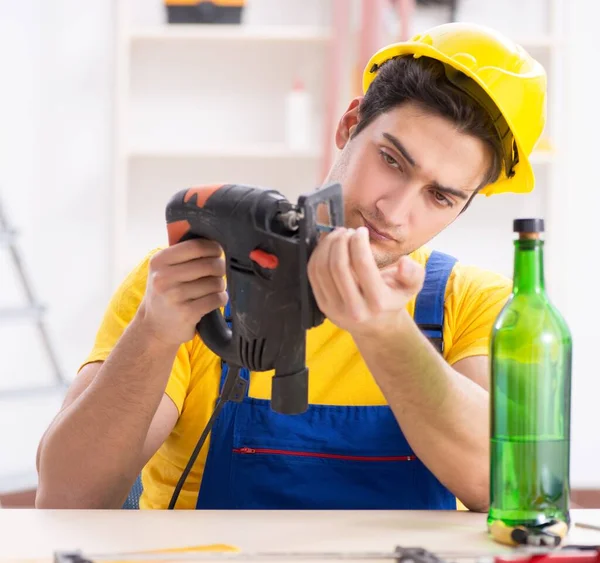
393	423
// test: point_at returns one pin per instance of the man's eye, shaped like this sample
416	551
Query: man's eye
442	199
390	160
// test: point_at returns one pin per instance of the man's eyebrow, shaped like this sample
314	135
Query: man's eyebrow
401	149
435	185
450	191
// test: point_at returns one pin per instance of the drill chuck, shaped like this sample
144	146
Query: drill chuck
290	220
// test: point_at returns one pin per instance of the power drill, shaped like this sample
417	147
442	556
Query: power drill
267	241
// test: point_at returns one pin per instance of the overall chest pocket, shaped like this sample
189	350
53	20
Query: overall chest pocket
327	458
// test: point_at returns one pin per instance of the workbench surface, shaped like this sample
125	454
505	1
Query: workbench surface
36	534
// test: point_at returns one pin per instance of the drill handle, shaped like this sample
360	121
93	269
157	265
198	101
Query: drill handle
189	216
215	333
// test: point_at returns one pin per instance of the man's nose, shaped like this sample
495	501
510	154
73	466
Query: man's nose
397	205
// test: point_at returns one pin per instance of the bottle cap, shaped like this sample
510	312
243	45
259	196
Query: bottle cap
528	226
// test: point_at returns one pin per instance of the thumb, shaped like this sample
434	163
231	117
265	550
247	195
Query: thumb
410	274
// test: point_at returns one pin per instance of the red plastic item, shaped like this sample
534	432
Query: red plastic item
264	259
562	556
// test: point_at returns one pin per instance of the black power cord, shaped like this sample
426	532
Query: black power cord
234	389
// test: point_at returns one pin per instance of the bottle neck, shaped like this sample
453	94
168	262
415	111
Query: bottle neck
529	266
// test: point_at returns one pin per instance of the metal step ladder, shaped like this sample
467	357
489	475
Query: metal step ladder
32	311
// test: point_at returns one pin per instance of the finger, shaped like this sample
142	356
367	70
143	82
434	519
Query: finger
344	278
190	250
196	269
196	289
367	273
390	276
315	270
321	272
208	303
409	274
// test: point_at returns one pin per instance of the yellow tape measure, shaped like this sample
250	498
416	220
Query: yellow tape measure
549	534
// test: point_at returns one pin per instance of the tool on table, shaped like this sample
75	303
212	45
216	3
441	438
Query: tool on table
547	534
267	241
574	554
587	526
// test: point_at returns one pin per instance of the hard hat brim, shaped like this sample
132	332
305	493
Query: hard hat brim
523	179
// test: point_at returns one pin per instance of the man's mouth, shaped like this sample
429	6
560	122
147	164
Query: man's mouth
375	234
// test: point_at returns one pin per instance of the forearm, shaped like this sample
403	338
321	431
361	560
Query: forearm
443	414
91	453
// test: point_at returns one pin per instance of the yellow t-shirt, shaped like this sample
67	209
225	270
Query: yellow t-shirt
337	372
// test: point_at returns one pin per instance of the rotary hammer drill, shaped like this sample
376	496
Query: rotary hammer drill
267	241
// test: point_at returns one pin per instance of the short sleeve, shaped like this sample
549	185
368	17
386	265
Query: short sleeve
120	311
474	299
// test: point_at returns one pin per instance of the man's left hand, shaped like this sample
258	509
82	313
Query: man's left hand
351	291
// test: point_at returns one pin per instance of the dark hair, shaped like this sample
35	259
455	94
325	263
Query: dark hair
423	81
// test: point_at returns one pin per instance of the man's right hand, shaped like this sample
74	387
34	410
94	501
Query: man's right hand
185	282
97	425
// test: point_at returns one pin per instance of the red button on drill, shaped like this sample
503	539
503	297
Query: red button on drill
264	259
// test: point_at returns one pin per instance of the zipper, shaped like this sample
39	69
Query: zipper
247	451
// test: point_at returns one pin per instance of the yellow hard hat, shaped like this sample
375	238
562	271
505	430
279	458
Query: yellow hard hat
505	80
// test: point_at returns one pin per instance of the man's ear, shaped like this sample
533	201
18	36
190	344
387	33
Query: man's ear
347	123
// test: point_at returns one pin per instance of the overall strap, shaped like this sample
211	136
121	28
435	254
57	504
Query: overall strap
244	373
429	306
227	313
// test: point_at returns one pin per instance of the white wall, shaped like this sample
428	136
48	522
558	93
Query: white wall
55	171
55	165
580	239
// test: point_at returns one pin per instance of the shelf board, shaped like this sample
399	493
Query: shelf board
204	32
260	152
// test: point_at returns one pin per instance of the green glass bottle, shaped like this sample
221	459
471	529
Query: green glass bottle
530	395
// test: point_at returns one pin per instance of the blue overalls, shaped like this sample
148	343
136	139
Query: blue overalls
330	457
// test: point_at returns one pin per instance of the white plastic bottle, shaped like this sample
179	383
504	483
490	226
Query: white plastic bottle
298	118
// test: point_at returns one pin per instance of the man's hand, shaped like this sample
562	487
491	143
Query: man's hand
185	282
441	412
351	290
116	414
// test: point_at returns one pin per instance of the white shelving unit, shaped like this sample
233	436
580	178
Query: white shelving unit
199	104
230	32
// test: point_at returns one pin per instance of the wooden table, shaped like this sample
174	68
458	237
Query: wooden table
36	534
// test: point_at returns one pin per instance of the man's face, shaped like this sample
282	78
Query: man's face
406	176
